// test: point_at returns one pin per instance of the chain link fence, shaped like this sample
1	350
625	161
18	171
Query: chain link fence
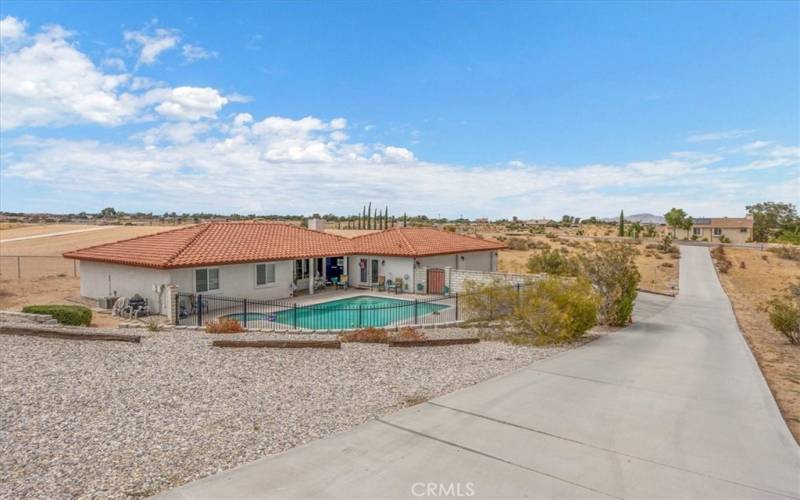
24	267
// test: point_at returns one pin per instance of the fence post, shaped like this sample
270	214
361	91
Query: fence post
177	318
200	310
19	269
244	311
360	306
456	306
415	311
294	315
74	268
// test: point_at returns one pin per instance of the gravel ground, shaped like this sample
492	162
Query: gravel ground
115	420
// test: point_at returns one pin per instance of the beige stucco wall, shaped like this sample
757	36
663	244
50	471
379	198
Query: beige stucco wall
736	235
390	267
239	280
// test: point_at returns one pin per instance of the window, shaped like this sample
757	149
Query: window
265	274
697	231
717	231
300	269
206	280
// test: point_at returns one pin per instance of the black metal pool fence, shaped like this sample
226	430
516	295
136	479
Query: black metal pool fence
338	313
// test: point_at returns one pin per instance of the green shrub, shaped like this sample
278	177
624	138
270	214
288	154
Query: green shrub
612	271
554	311
488	301
784	314
64	314
724	239
554	262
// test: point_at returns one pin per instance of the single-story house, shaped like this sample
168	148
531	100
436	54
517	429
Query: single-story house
735	229
266	260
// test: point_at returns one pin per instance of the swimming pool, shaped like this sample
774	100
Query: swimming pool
360	311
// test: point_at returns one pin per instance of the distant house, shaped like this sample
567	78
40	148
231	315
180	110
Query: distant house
735	229
538	222
260	260
481	220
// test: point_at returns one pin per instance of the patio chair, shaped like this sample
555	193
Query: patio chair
342	281
380	285
397	286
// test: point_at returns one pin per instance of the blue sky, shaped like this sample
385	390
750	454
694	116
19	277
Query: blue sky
480	109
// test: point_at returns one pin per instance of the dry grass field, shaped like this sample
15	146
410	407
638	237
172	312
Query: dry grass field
49	278
763	276
659	271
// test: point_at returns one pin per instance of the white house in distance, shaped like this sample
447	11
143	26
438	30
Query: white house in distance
260	260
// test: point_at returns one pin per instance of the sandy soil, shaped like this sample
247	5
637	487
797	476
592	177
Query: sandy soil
749	288
659	271
36	267
53	279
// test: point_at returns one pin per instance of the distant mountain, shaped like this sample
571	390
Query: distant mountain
643	218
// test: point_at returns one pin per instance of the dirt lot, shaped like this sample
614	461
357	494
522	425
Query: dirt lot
52	279
749	288
659	271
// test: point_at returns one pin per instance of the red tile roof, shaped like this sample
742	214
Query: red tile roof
420	242
217	243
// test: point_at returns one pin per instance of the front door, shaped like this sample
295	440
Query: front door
363	272
374	273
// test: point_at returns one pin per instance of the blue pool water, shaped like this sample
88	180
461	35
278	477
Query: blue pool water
353	312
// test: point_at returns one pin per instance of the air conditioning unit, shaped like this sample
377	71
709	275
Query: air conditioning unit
106	302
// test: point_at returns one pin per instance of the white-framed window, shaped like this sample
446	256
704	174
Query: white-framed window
265	274
206	280
717	231
697	231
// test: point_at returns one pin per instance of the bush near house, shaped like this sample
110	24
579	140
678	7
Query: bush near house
408	334
554	311
612	270
224	325
721	260
555	263
367	335
488	301
784	313
64	314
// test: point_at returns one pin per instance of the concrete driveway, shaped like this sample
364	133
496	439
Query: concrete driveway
671	407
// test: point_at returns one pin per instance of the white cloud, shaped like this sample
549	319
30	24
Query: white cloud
250	158
191	103
151	45
11	28
193	53
718	136
50	82
114	63
338	123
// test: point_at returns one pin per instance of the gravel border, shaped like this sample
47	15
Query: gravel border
120	420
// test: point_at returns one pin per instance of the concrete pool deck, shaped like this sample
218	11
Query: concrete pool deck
673	406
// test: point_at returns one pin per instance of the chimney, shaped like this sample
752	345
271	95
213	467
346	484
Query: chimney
316	224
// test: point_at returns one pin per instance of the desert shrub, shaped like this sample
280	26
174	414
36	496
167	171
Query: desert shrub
224	325
64	314
667	264
552	236
517	244
153	326
742	265
724	239
554	311
539	245
488	301
408	333
784	313
612	271
369	335
786	252
721	260
555	263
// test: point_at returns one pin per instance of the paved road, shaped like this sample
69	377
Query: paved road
59	233
671	407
